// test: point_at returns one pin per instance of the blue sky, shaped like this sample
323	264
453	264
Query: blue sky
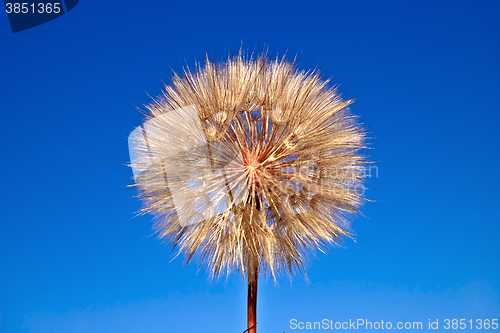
73	258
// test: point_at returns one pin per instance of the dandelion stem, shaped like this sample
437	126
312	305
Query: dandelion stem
253	277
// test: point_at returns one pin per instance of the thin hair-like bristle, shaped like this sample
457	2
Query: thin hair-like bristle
289	148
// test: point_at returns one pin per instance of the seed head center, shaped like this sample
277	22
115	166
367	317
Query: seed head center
253	165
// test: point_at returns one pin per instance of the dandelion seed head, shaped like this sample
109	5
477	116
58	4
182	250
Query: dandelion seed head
267	157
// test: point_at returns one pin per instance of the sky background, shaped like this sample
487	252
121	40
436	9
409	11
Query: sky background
426	77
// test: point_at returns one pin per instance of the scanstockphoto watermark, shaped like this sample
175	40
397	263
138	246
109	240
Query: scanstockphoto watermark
310	178
205	178
353	324
430	324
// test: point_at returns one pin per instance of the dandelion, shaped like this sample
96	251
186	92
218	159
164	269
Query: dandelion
247	165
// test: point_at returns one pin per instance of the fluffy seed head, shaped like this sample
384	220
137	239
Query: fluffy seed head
250	162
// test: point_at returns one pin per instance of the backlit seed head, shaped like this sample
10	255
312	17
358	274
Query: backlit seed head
278	145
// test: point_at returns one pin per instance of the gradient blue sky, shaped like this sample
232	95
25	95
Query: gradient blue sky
426	77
